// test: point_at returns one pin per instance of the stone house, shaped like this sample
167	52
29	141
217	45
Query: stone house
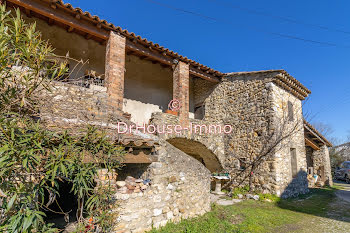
129	79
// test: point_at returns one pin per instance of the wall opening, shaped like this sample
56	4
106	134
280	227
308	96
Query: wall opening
148	88
62	208
202	89
201	153
198	151
90	52
136	170
294	165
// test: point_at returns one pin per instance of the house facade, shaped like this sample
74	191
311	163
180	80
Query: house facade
119	77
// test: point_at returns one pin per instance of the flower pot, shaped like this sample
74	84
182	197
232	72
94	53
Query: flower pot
172	112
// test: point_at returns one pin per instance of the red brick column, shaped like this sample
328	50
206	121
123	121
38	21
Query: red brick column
181	92
115	69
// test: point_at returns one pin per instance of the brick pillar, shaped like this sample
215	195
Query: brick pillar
181	78
115	69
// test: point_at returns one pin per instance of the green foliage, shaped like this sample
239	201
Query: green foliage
27	64
336	159
34	159
268	196
240	190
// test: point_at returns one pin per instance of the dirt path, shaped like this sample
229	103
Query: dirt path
345	192
338	214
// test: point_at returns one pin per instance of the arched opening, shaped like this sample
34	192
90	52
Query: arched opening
198	151
62	209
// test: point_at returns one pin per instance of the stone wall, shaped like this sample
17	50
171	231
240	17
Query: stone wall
245	104
179	189
321	159
286	184
256	109
76	104
202	90
205	147
179	184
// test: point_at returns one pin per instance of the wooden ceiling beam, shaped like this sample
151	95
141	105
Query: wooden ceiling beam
140	50
310	143
203	75
308	130
56	15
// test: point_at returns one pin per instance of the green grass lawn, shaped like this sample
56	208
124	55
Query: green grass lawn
258	216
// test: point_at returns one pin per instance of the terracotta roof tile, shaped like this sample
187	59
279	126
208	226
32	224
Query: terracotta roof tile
131	35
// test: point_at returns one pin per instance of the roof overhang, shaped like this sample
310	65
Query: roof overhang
281	78
313	138
74	20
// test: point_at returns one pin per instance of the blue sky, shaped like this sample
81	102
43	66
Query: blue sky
239	40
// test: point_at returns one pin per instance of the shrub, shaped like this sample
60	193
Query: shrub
32	158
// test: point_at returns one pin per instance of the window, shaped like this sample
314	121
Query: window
294	164
199	112
290	111
242	164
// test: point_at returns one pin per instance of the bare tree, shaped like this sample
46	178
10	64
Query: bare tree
323	128
283	124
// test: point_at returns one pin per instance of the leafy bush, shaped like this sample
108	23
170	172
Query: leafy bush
32	158
268	196
240	190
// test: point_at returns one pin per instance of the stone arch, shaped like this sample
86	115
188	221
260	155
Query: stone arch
198	151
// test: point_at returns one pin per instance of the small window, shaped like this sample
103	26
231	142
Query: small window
242	163
271	167
294	164
290	111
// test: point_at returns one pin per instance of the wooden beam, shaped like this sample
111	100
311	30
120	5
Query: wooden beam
60	17
142	51
55	14
203	75
314	134
309	142
129	52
